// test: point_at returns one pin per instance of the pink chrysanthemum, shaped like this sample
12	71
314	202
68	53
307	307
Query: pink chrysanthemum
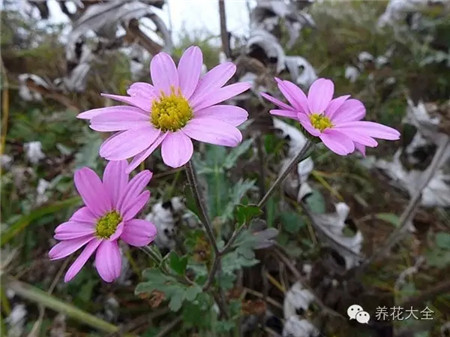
108	215
180	105
337	122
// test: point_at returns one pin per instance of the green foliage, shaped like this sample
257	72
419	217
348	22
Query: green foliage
175	291
178	264
438	255
245	213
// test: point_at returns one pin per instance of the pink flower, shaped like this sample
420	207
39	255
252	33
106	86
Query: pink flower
180	105
337	122
108	216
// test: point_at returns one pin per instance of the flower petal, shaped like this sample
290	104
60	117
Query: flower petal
284	113
118	121
306	123
319	95
142	90
83	214
294	95
231	114
136	206
189	70
134	189
139	102
361	148
334	105
337	142
139	158
81	260
350	110
108	261
139	233
213	80
276	101
222	94
357	135
164	73
371	129
74	230
92	191
176	149
108	110
115	180
129	143
213	131
67	247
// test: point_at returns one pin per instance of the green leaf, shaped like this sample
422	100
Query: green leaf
316	202
388	217
442	240
244	213
235	153
178	264
292	222
192	292
27	219
235	195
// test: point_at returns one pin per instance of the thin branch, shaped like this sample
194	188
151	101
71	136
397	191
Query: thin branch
166	329
293	163
410	210
223	29
193	182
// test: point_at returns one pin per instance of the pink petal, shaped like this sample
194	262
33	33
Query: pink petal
213	80
189	70
337	142
221	95
334	105
118	121
134	189
142	90
142	103
350	110
371	129
81	260
164	73
277	102
357	135
92	191
306	123
118	232
83	214
136	205
176	149
319	95
294	95
139	158
139	233
129	143
74	230
108	261
67	247
108	110
284	113
115	180
233	115
361	148
213	131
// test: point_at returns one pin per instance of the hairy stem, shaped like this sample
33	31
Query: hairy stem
192	179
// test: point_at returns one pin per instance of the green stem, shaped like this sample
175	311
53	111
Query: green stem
293	163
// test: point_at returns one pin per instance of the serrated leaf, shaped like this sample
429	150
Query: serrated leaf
235	153
244	213
192	292
178	264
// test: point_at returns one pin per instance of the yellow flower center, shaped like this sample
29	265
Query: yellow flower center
171	113
107	224
320	122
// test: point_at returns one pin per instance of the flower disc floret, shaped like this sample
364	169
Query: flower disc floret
171	113
107	224
320	122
